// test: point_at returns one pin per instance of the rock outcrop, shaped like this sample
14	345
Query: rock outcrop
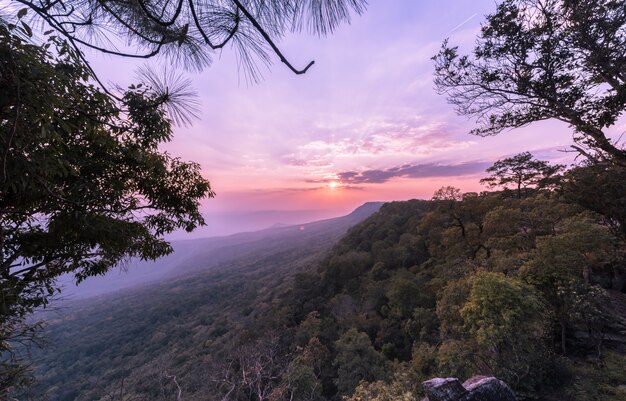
478	388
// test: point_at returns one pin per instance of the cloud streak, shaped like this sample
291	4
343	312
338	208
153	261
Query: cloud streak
428	170
462	23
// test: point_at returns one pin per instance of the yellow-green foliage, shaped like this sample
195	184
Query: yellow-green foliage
501	308
401	388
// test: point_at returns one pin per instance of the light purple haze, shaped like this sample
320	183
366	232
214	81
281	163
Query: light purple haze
363	124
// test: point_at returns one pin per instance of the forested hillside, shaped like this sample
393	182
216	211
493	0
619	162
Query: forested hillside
214	291
525	289
527	286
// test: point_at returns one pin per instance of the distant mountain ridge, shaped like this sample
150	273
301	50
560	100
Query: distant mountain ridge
205	253
222	224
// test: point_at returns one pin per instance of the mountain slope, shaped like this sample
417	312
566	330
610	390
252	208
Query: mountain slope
206	293
206	253
483	285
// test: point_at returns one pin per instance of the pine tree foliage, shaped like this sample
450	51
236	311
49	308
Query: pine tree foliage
189	33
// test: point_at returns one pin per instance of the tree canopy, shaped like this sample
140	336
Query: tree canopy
83	184
189	32
544	59
521	170
600	187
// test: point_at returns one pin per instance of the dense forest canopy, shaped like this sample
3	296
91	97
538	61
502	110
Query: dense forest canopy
529	289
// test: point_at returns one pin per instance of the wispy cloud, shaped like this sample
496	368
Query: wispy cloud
427	170
373	139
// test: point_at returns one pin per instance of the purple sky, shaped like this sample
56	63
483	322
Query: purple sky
364	124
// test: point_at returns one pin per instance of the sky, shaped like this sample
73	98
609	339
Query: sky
363	124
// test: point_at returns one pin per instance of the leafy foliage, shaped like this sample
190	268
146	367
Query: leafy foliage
601	188
503	316
83	183
544	59
356	361
461	285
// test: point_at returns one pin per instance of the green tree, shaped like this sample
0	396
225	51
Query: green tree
498	307
344	269
404	294
599	187
506	320
357	361
522	171
463	234
560	268
83	185
302	378
401	388
544	59
447	193
512	229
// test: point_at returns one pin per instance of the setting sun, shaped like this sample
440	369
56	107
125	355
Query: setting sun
333	184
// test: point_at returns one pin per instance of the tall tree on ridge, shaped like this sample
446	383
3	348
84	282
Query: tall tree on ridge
522	171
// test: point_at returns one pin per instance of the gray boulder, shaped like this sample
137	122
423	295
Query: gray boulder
478	388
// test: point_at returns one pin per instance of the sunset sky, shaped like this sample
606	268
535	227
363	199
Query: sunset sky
364	124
